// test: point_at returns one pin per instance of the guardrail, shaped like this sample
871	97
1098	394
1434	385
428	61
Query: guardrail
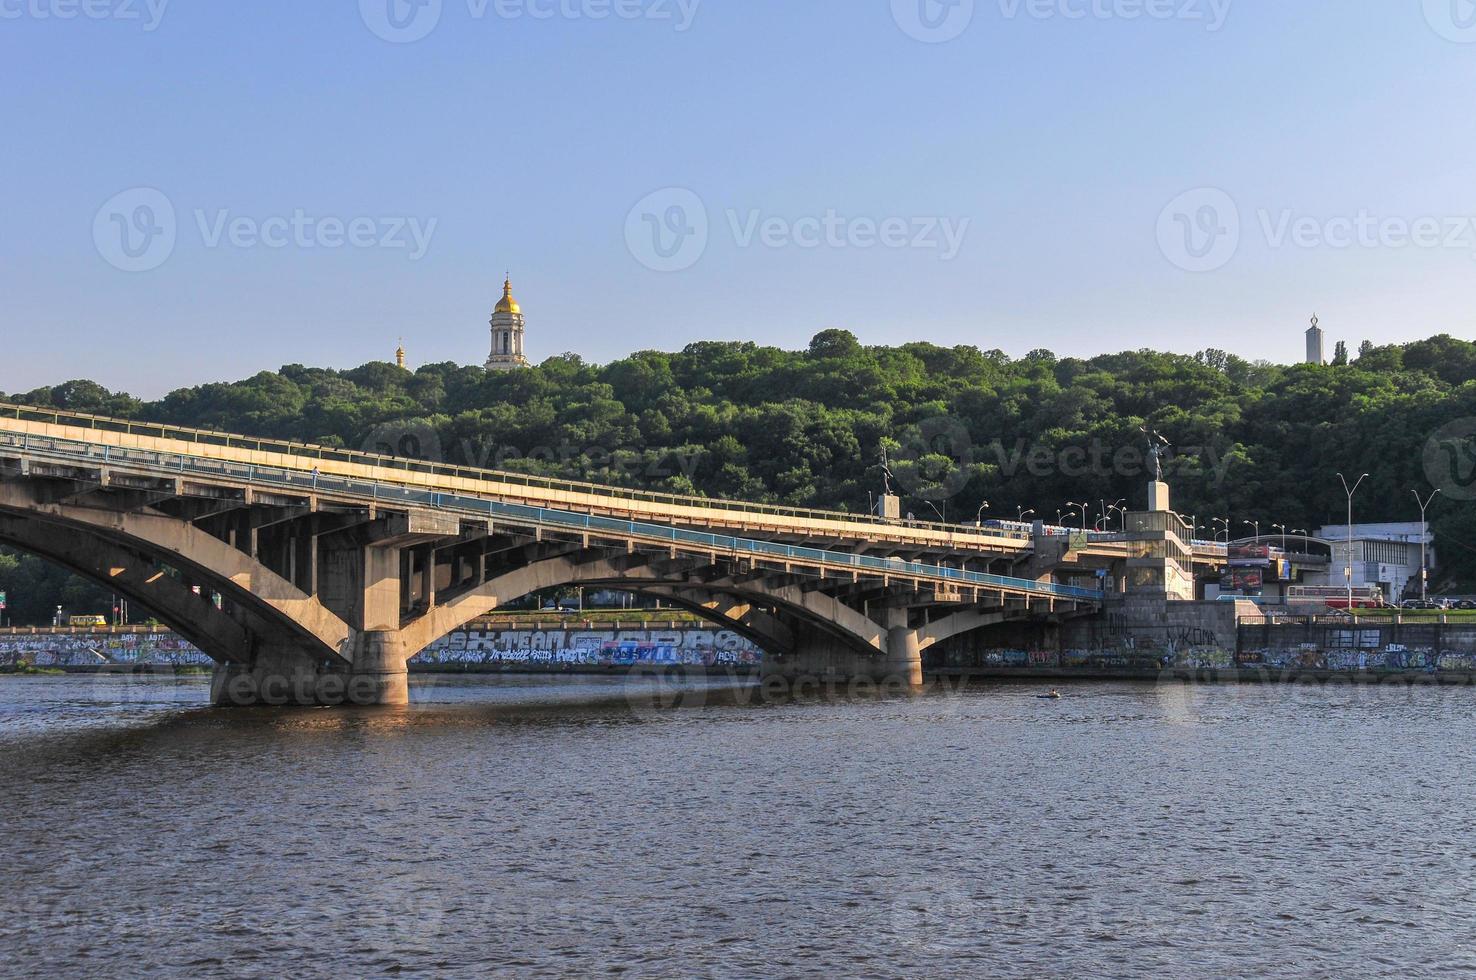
309	452
71	450
83	630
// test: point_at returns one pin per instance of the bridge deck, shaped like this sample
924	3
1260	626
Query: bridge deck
167	453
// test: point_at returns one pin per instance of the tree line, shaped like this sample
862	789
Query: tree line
949	428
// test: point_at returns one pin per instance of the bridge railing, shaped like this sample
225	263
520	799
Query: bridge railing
310	453
174	463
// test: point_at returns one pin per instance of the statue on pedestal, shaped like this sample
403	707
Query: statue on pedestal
1158	448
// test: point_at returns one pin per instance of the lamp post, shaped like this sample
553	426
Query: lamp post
1225	521
1424	540
1282	529
1348	568
1021	513
1256	525
1084	509
979	518
1122	511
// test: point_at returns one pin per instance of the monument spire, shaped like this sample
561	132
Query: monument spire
1315	343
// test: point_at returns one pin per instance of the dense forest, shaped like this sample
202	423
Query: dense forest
1252	441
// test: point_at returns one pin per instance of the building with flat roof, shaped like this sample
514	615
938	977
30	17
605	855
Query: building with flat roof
1385	555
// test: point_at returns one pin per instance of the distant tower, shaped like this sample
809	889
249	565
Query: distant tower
1315	339
400	356
507	333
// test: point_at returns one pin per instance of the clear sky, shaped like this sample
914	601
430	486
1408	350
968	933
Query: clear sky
200	190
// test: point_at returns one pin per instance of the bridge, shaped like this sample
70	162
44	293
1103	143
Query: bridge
312	575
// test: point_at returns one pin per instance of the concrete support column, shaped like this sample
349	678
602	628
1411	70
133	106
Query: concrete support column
820	657
277	677
290	677
381	672
904	656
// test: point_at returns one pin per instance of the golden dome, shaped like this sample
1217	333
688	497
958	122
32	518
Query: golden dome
507	304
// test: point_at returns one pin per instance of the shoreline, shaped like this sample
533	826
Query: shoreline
1186	675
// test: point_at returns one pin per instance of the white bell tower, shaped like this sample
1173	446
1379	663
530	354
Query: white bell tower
507	333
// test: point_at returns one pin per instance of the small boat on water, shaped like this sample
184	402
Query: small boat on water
1053	696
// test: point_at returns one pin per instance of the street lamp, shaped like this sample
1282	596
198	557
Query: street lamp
1424	539
1348	568
1225	521
1084	509
1122	511
979	518
1282	529
1021	513
1256	525
941	518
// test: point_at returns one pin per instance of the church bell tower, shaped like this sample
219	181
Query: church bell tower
507	333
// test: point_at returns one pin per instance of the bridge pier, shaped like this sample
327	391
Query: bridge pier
381	670
286	677
819	656
904	656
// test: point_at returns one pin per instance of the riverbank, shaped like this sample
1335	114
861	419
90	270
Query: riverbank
1189	675
1214	675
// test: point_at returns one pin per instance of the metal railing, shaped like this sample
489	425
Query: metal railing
171	464
310	453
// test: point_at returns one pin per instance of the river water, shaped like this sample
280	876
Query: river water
572	827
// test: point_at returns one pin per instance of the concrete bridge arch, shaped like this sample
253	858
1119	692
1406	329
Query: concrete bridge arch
326	595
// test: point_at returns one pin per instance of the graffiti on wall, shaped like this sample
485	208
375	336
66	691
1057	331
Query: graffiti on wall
507	648
593	648
84	650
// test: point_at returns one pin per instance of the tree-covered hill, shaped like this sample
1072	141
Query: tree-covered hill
1253	441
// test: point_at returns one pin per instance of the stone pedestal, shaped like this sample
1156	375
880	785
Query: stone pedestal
1158	497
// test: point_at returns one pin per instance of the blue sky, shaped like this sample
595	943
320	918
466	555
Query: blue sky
1038	179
